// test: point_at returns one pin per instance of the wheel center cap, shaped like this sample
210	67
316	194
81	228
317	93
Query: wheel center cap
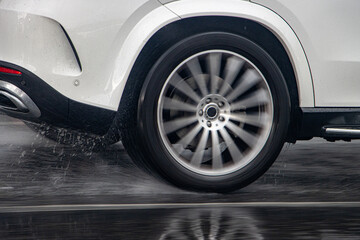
211	112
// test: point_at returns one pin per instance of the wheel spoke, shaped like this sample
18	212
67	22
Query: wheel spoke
186	140
216	151
232	69
258	98
247	81
195	69
181	85
197	158
214	63
174	125
251	119
172	104
235	153
249	139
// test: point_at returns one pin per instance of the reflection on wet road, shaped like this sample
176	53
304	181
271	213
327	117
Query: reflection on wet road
178	224
38	172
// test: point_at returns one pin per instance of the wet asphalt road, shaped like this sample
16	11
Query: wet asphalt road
50	191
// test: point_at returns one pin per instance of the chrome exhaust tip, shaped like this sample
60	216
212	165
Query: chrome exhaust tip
16	103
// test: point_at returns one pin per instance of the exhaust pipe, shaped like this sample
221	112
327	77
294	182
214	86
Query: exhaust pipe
16	103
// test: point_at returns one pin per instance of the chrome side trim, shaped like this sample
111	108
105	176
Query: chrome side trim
25	106
342	131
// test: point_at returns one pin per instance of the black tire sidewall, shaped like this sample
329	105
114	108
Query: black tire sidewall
148	133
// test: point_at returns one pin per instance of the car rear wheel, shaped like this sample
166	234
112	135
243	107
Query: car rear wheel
213	114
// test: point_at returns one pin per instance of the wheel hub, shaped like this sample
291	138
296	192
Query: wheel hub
213	111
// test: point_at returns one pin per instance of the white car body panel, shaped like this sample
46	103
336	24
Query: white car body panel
37	43
109	40
327	30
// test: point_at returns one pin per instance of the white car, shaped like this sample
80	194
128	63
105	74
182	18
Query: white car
203	93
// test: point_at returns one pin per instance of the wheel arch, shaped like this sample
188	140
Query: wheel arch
297	74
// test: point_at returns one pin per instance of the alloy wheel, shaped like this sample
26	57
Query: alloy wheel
215	112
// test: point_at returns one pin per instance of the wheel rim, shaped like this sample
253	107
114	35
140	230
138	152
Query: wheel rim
215	112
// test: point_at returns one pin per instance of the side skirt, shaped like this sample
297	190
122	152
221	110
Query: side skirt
330	123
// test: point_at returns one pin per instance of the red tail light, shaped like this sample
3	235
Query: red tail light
9	70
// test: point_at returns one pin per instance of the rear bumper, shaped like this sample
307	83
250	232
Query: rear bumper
45	104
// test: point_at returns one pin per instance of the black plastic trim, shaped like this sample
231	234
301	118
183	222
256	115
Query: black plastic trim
55	108
73	47
314	120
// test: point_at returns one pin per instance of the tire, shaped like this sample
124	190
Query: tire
212	114
88	142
